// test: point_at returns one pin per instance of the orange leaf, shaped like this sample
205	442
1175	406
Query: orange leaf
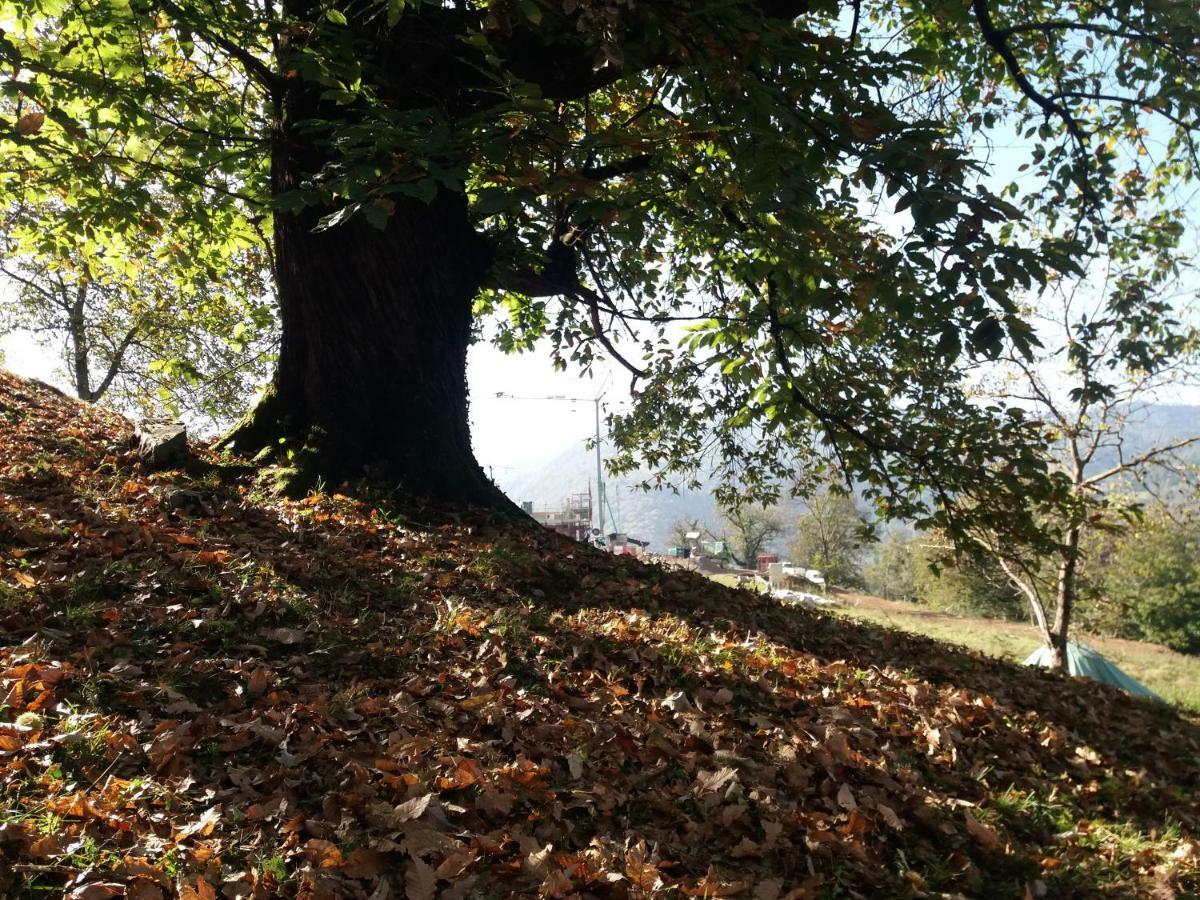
31	123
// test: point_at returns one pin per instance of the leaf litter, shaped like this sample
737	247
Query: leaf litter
339	697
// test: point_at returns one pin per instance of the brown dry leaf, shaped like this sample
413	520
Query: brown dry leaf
478	701
24	578
49	845
363	863
575	765
30	123
258	681
141	889
201	890
13	736
413	809
96	891
285	635
845	798
712	886
420	881
709	782
201	827
466	773
985	834
889	816
323	854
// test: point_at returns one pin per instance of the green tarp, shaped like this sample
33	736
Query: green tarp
1083	660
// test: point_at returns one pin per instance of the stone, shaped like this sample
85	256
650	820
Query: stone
161	442
181	498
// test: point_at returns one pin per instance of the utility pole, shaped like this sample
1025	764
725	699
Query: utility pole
599	469
501	395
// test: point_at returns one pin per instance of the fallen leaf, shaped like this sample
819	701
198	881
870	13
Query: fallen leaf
420	881
96	891
845	798
413	809
985	834
202	827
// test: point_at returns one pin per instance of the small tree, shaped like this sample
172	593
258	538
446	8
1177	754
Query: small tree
133	329
1117	351
751	530
961	584
890	573
830	536
681	528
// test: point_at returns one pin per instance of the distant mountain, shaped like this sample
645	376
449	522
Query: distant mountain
1155	426
649	515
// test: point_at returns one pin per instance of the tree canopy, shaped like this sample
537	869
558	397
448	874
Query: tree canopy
789	220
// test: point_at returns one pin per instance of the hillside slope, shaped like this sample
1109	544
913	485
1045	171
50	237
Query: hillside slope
209	692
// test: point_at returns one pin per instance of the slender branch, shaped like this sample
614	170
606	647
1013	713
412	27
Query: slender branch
997	40
114	365
254	66
1143	459
593	300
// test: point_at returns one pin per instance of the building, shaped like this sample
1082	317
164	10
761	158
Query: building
573	518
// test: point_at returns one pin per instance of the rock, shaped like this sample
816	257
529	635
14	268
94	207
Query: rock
161	442
181	498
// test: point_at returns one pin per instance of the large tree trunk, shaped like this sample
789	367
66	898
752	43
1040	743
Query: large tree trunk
372	367
375	322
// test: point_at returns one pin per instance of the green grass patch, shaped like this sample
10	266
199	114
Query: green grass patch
1173	676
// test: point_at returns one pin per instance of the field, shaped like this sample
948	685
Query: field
1173	676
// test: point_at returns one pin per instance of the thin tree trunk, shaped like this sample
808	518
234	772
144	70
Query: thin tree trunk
77	329
1064	601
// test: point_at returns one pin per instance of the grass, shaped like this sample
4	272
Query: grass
733	581
1173	676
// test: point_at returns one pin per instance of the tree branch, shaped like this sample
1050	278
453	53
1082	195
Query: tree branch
997	40
253	66
1143	459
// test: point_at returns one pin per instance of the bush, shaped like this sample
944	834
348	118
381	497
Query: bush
890	573
1153	576
964	586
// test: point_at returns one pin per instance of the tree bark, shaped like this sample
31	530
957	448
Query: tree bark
372	364
77	327
375	324
1064	599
